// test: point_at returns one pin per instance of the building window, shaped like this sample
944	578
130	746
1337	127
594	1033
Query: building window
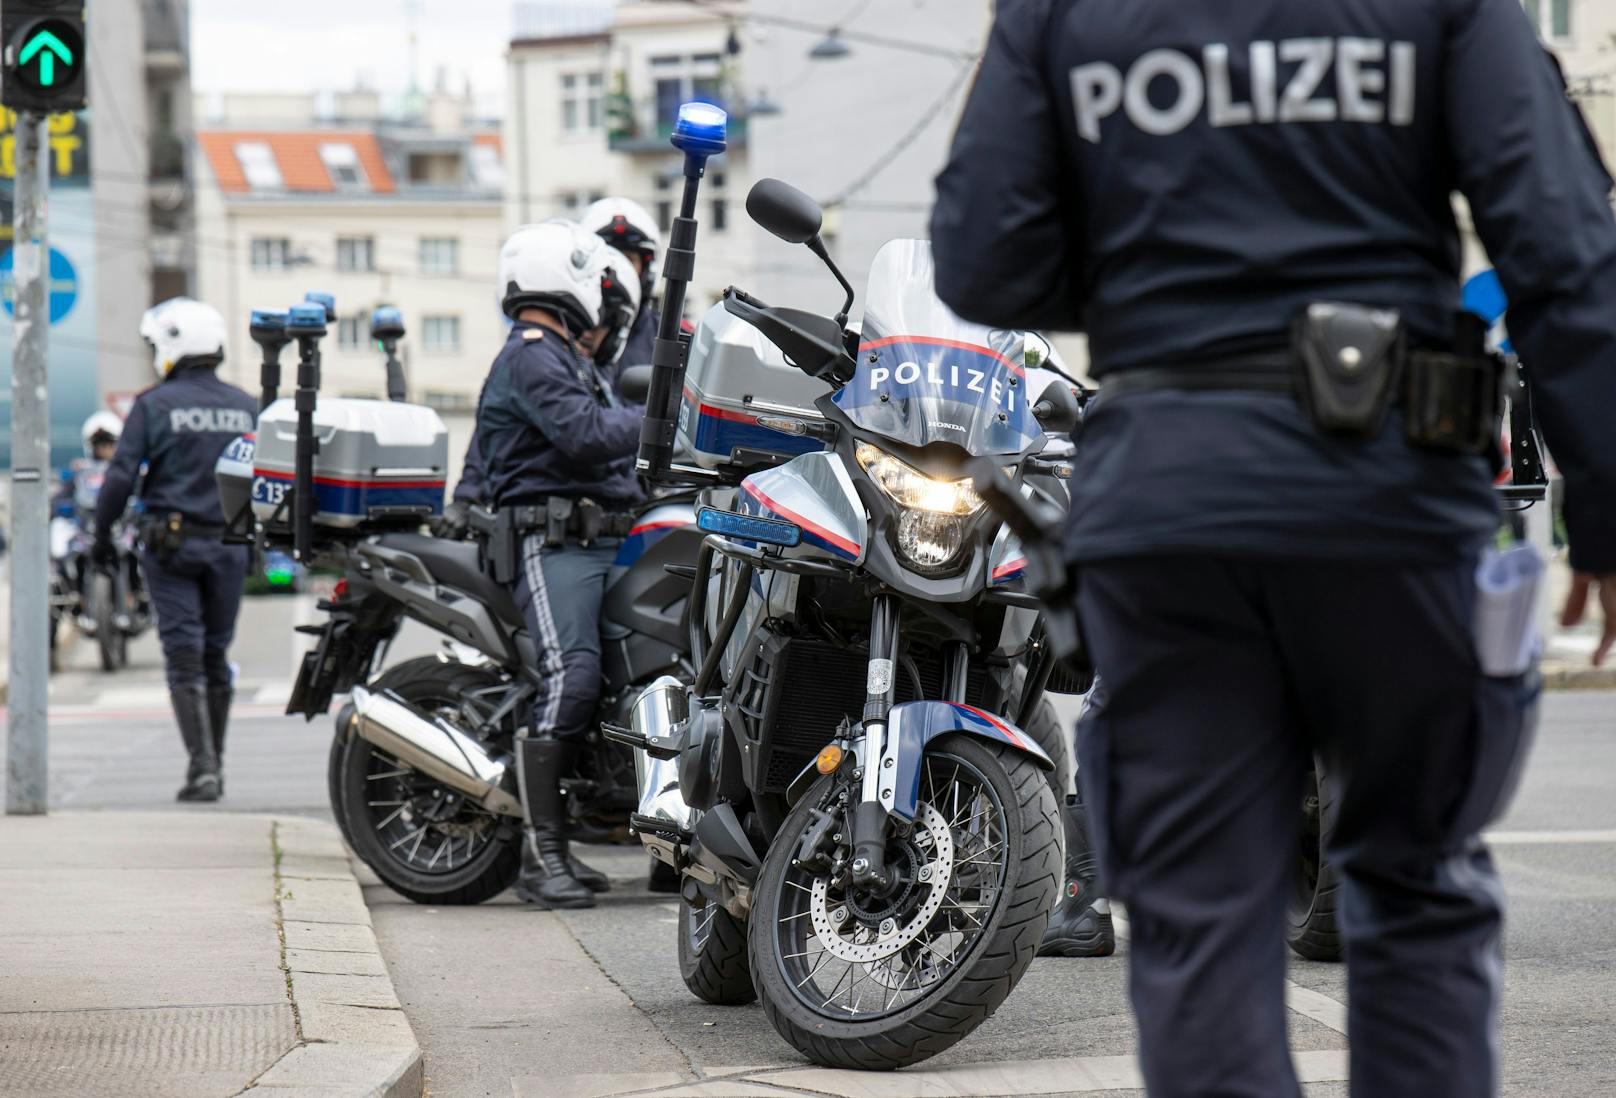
582	101
440	255
720	215
271	253
351	333
486	168
342	163
1550	18
664	215
258	164
442	401
679	79
356	253
440	334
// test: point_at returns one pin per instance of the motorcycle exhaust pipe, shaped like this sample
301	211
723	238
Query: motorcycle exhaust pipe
434	747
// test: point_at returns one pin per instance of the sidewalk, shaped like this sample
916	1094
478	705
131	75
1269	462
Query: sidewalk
192	954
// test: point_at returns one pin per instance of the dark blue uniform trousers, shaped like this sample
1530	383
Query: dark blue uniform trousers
560	591
197	593
1221	676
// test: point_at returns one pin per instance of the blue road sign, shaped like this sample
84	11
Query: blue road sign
63	288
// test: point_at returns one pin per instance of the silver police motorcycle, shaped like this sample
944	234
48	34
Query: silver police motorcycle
867	839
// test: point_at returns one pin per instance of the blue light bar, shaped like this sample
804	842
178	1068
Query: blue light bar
386	318
273	320
749	527
306	318
321	298
700	129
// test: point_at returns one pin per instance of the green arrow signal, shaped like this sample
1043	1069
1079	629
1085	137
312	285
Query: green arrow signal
49	47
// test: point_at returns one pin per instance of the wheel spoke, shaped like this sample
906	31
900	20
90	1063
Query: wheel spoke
406	837
388	774
393	815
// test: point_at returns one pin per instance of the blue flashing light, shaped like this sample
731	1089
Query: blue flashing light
386	320
273	320
749	527
306	318
319	297
700	129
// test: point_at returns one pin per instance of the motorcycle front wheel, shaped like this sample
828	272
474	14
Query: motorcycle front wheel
857	980
424	841
108	637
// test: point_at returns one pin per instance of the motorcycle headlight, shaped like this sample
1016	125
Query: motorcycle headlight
929	539
910	488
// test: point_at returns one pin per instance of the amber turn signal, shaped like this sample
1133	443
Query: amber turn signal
829	759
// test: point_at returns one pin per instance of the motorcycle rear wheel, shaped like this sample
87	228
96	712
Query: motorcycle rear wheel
1312	919
713	956
964	950
404	825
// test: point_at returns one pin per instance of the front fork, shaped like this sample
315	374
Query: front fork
870	816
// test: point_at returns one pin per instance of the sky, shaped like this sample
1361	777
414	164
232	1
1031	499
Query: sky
329	45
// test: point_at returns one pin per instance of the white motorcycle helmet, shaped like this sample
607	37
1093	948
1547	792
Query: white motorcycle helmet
619	304
555	265
102	426
182	328
624	224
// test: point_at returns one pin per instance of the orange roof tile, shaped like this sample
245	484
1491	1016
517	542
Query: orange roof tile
297	153
491	138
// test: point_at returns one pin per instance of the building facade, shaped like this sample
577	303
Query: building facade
591	107
372	212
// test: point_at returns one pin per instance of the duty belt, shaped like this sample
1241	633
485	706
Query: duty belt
1261	373
561	516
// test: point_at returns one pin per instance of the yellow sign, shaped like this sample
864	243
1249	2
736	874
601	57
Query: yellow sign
62	135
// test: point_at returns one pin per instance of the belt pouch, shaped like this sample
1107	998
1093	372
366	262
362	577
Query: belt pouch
557	512
502	548
1347	359
589	520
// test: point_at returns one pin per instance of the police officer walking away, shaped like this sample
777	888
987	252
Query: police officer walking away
177	429
557	446
1281	494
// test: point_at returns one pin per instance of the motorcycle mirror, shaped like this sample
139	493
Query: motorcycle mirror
1036	350
634	383
784	211
1057	410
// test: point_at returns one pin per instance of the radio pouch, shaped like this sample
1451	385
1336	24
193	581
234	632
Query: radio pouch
1347	360
163	535
1454	402
557	512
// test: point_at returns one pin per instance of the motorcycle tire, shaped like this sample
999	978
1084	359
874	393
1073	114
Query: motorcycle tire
390	842
1312	920
1022	881
713	955
109	640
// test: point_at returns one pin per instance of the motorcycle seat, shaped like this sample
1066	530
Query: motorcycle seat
454	564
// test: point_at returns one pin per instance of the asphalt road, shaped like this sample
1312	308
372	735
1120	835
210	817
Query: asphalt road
512	1002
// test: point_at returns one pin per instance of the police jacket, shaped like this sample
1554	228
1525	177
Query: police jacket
1180	180
550	424
177	429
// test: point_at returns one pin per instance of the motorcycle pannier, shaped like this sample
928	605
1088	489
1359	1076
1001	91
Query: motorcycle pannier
378	464
734	376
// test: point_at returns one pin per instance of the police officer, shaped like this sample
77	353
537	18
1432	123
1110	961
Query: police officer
558	448
623	224
177	430
1263	574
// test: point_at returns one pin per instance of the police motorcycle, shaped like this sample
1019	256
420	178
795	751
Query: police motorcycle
107	603
420	771
865	844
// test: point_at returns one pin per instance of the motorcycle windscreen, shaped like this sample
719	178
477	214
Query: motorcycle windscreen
924	375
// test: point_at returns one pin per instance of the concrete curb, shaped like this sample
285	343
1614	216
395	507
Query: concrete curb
353	1038
1561	675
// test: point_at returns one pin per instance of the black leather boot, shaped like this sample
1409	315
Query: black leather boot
546	877
1081	923
191	713
219	698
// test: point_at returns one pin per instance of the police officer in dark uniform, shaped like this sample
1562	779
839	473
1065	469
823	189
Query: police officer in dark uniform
557	445
1280	497
623	224
177	429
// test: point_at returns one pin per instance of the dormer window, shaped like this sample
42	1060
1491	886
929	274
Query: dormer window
258	165
342	164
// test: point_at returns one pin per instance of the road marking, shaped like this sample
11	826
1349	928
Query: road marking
1529	838
1308	1003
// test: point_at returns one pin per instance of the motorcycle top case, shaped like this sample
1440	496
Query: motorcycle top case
378	463
732	376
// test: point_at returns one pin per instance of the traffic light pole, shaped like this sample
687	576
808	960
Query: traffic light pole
26	730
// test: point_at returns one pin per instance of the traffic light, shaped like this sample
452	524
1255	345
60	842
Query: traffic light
44	55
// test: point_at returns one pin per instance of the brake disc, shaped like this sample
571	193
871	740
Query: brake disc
843	936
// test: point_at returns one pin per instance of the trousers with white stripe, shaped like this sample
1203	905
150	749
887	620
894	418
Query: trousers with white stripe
559	591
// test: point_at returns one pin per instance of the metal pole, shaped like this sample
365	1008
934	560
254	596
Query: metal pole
26	730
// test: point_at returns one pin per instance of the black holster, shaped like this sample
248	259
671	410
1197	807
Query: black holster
162	535
1455	401
499	542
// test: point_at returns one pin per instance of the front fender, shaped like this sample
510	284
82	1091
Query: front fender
912	725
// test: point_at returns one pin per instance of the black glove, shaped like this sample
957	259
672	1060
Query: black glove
102	551
453	523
